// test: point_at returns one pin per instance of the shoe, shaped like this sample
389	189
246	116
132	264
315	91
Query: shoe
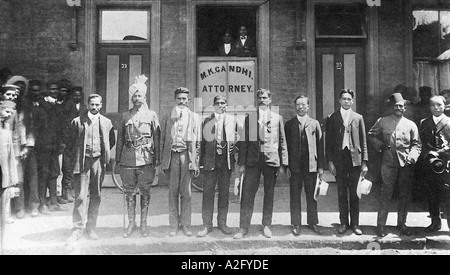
434	227
357	230
20	215
56	208
67	195
131	227
92	235
404	230
172	233
267	232
225	230
60	200
76	236
342	228
242	232
296	230
144	230
204	232
316	229
34	212
381	231
187	231
43	209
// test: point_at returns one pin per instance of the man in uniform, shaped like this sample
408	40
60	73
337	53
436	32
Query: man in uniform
398	139
217	161
138	153
435	136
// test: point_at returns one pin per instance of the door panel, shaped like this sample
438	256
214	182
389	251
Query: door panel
339	68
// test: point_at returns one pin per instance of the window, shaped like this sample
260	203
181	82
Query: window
340	21
431	49
214	21
124	26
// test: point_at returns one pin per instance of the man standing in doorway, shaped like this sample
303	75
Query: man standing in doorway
180	157
398	139
346	149
266	154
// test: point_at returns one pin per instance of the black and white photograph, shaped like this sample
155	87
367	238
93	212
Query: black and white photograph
243	129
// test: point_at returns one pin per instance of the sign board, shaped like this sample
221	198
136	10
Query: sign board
234	78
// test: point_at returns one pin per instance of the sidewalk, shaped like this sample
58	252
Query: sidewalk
47	234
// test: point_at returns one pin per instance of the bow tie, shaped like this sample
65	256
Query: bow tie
243	37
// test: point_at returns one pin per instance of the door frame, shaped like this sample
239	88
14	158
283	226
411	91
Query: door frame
90	41
263	39
371	53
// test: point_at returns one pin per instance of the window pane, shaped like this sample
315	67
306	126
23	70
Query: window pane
124	25
445	35
426	34
340	20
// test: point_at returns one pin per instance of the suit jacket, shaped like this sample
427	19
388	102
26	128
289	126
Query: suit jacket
315	144
429	131
402	134
221	50
79	134
273	143
192	139
335	136
246	50
209	142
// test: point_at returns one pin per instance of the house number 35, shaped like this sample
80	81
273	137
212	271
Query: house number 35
123	66
338	65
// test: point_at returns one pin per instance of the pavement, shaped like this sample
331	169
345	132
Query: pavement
44	235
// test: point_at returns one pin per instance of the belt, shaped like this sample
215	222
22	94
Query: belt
138	142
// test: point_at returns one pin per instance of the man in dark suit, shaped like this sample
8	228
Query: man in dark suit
435	135
227	48
263	150
306	159
217	162
346	149
245	46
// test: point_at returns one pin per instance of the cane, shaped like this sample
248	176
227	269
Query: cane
121	188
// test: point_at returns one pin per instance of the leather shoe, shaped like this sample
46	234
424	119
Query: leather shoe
225	230
342	228
92	235
405	230
296	230
204	232
434	227
267	232
381	231
316	229
60	200
76	235
357	230
43	209
187	231
56	207
34	212
130	228
242	232
172	233
20	215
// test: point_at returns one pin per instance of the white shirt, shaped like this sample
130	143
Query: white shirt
302	119
227	48
243	40
78	106
184	117
93	117
219	125
437	119
346	116
264	115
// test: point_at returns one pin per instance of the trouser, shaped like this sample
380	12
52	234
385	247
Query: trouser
249	189
179	190
437	192
31	193
347	177
297	181
48	172
89	181
68	164
391	175
219	176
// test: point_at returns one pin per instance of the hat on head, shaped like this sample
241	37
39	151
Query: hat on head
181	90
396	97
9	87
7	104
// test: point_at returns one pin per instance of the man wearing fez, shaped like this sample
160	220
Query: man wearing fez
138	153
397	138
346	148
264	153
217	161
306	159
180	157
435	135
94	137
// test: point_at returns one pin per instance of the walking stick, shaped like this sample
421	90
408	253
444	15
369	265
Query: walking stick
121	188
